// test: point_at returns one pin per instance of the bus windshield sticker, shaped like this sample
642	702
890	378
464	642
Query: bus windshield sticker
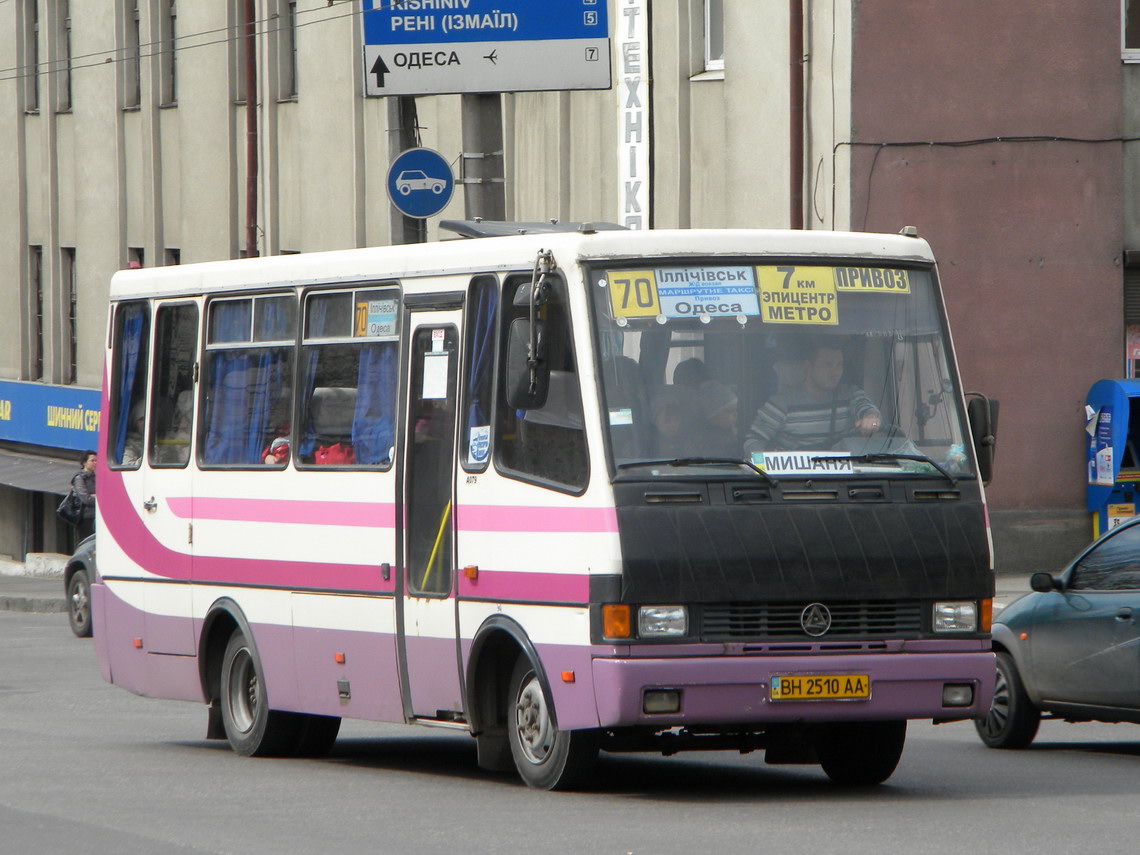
621	416
804	462
798	295
376	318
435	376
479	444
881	280
684	292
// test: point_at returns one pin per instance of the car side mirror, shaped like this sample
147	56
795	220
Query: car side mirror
1044	583
982	413
528	377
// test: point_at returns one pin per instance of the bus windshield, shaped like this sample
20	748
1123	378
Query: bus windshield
791	368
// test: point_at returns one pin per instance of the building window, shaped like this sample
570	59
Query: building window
169	55
135	257
1130	30
714	35
286	33
31	51
132	70
67	261
172	257
34	334
63	62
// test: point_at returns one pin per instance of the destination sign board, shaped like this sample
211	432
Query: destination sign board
431	47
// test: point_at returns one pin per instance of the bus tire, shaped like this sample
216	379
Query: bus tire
1012	720
253	730
860	753
545	757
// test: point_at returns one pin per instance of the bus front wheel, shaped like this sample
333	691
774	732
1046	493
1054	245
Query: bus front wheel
861	753
253	730
546	758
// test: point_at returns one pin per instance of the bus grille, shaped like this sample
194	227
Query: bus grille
864	619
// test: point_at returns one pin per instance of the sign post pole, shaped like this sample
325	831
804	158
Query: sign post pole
484	193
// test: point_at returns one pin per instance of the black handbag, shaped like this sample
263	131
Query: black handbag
70	510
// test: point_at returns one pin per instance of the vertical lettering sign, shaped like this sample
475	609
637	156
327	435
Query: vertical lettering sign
431	47
633	114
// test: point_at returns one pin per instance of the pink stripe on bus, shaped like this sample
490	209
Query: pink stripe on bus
362	514
525	518
533	587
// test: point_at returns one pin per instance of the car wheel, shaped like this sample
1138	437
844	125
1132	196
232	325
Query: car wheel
437	189
405	189
1012	720
253	730
546	758
79	604
861	753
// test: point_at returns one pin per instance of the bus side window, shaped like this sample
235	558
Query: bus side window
546	444
482	305
248	378
172	398
349	368
128	385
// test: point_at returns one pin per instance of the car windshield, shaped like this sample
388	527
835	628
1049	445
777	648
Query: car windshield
793	368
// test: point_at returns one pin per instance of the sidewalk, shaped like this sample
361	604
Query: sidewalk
20	592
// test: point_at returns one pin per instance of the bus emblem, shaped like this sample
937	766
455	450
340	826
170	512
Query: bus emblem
815	619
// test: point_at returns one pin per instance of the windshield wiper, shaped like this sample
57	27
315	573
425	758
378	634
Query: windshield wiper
882	456
700	461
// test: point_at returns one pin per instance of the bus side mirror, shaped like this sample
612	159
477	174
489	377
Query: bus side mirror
528	379
983	415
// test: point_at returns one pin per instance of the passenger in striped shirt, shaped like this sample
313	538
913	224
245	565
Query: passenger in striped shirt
817	414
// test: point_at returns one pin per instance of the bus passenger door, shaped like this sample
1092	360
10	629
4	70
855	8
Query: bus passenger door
166	471
426	622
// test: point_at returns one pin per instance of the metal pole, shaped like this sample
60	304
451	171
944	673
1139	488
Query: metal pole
796	111
249	34
484	191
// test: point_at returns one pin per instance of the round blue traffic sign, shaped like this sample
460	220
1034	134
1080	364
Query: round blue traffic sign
420	183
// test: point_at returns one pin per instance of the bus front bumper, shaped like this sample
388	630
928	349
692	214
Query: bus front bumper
729	690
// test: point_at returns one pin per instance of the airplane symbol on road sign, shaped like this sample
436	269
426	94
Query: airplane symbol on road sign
493	56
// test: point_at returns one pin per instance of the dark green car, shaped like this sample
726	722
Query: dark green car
1071	649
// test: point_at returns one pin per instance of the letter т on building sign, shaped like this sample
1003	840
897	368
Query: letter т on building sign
433	47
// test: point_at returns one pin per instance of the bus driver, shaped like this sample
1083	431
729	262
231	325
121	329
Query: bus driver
816	414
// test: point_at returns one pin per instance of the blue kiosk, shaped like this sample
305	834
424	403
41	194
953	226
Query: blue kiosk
1113	456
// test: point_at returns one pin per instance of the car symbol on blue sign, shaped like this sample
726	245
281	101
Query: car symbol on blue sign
420	183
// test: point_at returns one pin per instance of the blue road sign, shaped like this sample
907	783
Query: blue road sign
420	183
424	47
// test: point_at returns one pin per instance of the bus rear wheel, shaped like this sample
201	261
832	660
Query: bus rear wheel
861	753
253	730
546	758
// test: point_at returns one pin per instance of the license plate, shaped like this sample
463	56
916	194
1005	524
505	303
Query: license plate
820	687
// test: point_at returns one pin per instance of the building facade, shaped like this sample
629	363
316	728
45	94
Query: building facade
1002	131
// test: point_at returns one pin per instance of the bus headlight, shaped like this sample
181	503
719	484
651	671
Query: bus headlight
662	621
956	617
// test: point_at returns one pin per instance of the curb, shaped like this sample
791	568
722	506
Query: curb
35	605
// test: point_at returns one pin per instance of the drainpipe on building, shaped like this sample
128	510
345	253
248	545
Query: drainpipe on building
796	111
250	72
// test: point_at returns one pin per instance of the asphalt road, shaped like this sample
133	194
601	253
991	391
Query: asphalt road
88	768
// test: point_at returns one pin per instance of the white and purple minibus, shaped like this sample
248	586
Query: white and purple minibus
569	488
